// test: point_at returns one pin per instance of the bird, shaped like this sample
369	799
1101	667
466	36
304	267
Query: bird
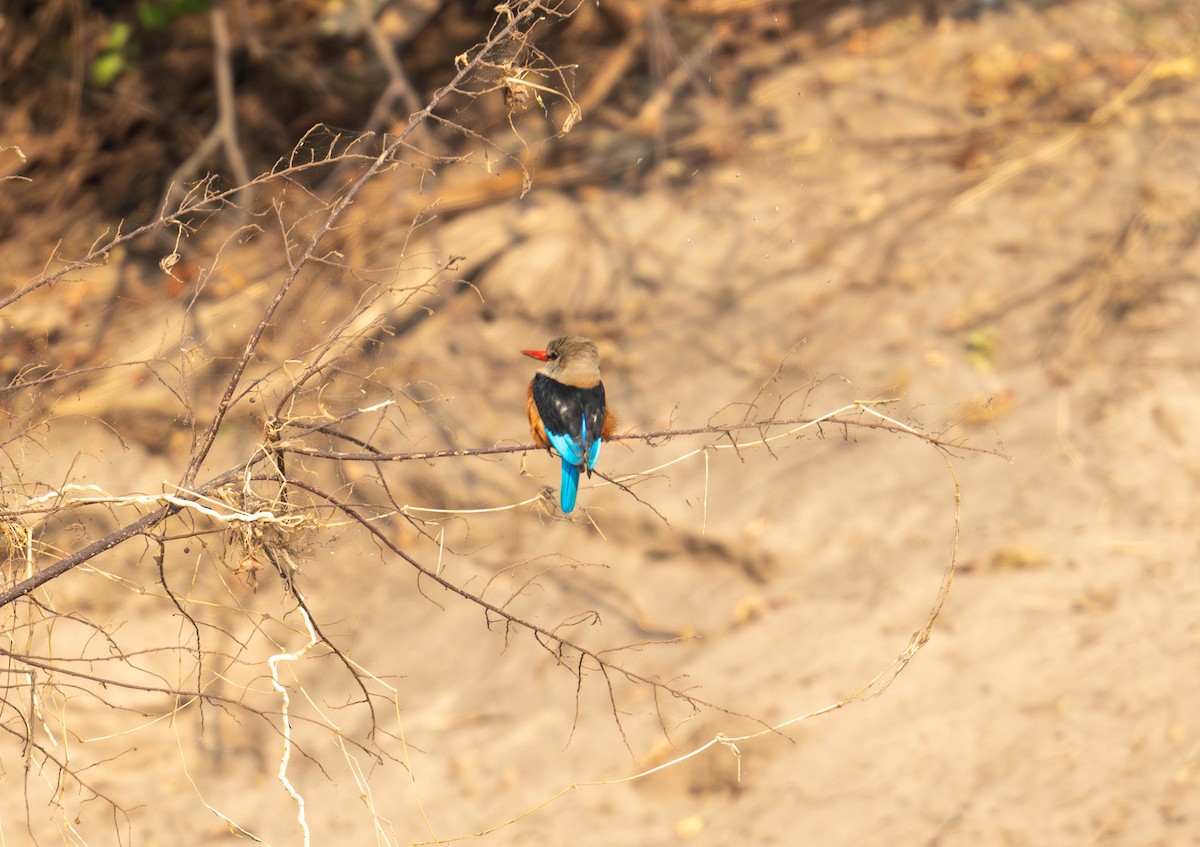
567	410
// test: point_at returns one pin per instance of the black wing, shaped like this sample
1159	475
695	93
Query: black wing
564	408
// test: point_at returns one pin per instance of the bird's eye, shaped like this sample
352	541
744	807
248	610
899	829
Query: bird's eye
551	356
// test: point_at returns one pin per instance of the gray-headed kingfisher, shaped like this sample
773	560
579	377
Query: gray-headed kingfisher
566	408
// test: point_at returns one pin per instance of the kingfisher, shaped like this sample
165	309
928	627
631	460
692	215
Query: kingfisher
566	408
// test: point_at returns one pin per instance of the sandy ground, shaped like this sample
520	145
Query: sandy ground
988	230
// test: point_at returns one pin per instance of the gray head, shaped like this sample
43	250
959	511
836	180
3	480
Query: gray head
572	359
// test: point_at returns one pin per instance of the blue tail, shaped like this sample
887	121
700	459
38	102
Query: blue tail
570	486
573	459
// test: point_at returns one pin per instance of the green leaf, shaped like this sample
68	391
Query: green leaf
152	16
118	38
107	68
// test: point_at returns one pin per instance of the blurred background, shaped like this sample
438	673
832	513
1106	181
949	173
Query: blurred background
980	218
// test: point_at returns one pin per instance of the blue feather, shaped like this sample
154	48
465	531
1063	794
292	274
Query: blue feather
570	486
571	452
566	446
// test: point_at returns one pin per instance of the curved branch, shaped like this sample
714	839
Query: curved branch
549	639
113	539
887	424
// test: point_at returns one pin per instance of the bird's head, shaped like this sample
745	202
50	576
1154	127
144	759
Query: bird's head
568	355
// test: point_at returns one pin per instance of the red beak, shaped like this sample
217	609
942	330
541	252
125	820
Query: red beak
535	354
